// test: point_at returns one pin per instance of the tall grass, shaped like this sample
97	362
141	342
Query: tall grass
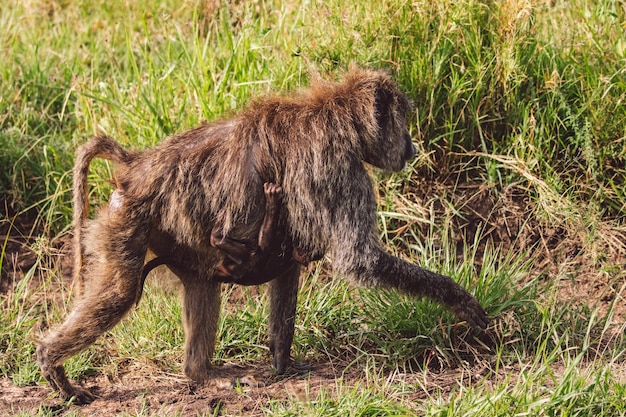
516	93
537	82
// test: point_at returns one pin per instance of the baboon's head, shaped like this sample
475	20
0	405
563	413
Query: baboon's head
391	147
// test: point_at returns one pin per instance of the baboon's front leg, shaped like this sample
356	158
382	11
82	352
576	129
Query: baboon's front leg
201	311
283	297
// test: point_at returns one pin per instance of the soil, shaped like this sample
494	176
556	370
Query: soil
501	217
235	390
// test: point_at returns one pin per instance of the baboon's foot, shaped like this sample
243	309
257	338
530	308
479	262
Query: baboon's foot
281	365
470	311
281	358
196	373
289	367
55	375
78	395
298	368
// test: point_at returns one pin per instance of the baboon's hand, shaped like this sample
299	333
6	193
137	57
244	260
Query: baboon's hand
470	311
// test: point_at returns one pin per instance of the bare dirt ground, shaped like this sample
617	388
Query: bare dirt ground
247	389
235	390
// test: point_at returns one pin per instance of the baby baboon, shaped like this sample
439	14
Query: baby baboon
246	265
209	181
243	265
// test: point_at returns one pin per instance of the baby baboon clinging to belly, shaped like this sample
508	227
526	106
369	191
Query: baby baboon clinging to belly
243	264
205	187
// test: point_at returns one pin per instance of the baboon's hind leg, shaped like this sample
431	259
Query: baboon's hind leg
201	311
91	317
283	297
110	293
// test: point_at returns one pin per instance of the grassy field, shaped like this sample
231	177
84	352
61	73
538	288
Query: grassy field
518	193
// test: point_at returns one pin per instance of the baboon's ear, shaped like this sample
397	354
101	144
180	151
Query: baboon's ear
382	104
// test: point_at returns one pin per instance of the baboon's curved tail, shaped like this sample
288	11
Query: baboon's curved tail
100	146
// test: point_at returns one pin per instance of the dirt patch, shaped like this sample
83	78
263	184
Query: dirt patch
235	390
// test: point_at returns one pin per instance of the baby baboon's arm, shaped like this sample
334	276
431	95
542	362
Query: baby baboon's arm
267	233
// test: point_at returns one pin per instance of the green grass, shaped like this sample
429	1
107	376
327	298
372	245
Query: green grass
511	98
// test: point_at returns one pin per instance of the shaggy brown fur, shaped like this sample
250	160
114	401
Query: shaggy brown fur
174	196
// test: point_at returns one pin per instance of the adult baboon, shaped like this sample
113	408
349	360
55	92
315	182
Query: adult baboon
313	145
